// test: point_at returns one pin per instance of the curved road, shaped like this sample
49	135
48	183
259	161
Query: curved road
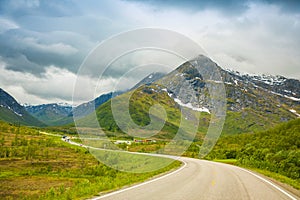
201	180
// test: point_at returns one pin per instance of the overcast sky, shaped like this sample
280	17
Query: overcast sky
43	43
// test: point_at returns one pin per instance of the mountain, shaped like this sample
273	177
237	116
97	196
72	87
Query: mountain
11	111
254	103
51	114
149	79
56	114
60	114
88	107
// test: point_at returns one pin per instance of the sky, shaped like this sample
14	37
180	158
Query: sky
44	43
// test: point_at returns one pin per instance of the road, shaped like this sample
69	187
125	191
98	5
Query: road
201	180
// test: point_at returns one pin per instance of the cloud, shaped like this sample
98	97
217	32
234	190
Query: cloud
42	50
56	85
264	38
57	48
47	41
231	7
6	25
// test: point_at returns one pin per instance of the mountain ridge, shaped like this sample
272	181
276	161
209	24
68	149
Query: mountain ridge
250	107
11	111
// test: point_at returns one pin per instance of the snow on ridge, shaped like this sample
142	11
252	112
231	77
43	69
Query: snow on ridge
25	104
189	105
64	104
267	79
292	98
288	97
169	94
228	83
18	114
294	112
3	106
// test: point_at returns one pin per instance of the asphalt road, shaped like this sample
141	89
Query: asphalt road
201	180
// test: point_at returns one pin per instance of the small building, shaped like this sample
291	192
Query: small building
123	142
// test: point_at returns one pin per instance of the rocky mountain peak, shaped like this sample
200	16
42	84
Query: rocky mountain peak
7	101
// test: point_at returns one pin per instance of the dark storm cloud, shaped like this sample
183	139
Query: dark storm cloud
37	34
289	6
230	7
18	46
43	43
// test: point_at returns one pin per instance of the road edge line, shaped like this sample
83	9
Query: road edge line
270	183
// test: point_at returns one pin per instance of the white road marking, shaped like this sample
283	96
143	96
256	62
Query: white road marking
141	184
270	183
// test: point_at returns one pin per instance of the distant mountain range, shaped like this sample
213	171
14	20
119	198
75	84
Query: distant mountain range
253	102
54	114
60	114
51	114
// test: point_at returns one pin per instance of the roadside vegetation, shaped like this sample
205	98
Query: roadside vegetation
37	166
33	165
275	151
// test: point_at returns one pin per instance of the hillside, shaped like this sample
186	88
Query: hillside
51	114
11	111
252	105
276	150
39	166
57	114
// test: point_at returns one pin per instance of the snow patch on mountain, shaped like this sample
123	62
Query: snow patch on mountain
267	79
288	97
189	105
18	114
294	112
292	98
8	107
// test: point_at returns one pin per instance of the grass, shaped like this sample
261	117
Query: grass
226	161
37	166
26	119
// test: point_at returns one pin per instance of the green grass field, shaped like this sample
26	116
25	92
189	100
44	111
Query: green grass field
37	166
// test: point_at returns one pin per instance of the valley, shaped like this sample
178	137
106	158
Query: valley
260	132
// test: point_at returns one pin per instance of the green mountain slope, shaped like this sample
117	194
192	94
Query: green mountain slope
250	108
11	111
276	150
26	119
51	114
